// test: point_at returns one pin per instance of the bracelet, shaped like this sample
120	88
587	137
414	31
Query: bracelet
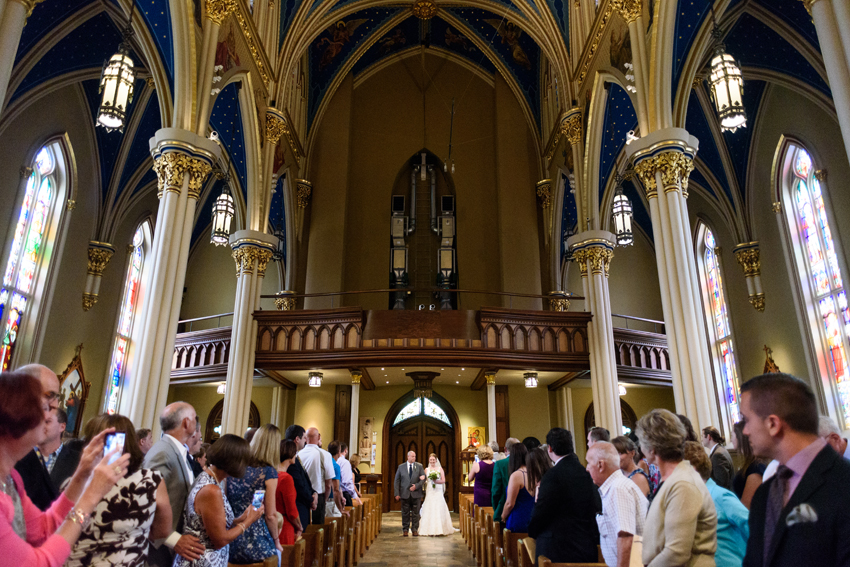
79	517
242	526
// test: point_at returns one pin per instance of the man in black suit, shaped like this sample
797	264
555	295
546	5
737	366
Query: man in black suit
564	518
47	466
801	516
306	498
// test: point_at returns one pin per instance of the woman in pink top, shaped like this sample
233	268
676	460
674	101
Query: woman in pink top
29	536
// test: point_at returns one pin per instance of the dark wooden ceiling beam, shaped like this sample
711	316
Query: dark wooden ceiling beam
566	379
277	377
481	379
366	380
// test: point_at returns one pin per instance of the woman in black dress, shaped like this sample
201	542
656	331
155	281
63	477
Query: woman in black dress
749	476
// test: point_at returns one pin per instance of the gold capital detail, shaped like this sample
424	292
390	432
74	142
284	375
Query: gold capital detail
757	301
675	167
424	9
356	375
808	4
264	255
571	128
599	258
304	192
245	258
172	166
748	258
560	304
820	175
284	302
491	378
29	5
98	259
275	128
218	10
629	9
544	193
89	299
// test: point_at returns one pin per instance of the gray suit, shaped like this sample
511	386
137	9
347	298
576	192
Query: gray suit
722	469
410	499
164	458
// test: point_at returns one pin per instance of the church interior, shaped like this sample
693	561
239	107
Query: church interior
425	224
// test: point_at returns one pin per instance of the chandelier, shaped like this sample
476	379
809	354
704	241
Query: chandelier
315	379
222	215
622	214
116	83
530	379
727	85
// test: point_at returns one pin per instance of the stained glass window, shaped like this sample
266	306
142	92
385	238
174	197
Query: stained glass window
435	411
27	250
129	301
412	409
720	329
822	269
421	406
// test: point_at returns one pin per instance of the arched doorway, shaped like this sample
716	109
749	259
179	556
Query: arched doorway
627	414
423	425
213	429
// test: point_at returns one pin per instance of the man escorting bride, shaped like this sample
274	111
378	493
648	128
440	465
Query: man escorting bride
436	519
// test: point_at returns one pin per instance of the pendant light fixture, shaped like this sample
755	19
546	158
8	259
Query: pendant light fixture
222	215
530	379
727	84
622	214
279	228
116	82
315	379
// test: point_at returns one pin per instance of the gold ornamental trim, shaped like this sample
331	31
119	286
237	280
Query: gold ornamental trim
544	193
218	10
284	302
491	378
256	53
263	258
275	128
248	258
171	168
424	9
356	375
820	175
630	10
303	192
757	301
571	127
89	299
675	168
99	257
587	56
29	5
558	301
749	260
808	4
598	257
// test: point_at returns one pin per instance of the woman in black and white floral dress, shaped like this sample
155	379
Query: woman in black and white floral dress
133	512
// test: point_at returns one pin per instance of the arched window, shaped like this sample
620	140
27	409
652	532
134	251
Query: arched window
421	406
126	316
26	266
816	259
717	323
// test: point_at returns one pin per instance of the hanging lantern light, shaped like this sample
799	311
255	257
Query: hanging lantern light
530	379
116	83
727	87
222	215
622	213
315	379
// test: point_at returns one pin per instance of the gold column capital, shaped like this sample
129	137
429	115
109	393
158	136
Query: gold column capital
29	6
757	301
490	377
89	299
571	126
544	193
630	10
558	301
171	167
356	376
99	254
218	10
249	256
599	257
304	192
675	167
284	302
808	4
275	126
747	256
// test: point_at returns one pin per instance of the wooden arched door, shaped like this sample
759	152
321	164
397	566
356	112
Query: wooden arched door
424	426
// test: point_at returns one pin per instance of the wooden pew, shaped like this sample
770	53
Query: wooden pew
545	562
350	559
526	552
494	541
314	552
486	519
328	537
293	555
338	540
509	540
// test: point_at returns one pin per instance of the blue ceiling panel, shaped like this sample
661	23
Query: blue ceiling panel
794	13
44	18
619	118
561	10
89	45
226	119
697	125
689	18
640	215
157	16
200	230
277	215
738	142
140	150
569	214
754	44
147	178
288	8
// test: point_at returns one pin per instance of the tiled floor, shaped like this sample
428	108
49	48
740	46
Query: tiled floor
390	549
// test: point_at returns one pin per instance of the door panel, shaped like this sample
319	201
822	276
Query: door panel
435	437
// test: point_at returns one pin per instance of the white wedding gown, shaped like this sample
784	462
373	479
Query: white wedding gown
435	517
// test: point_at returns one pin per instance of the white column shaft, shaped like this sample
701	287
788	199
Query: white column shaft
638	52
605	379
354	428
835	59
491	413
14	16
841	8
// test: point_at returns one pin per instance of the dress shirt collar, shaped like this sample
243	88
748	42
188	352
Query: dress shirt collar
800	463
557	459
713	449
610	481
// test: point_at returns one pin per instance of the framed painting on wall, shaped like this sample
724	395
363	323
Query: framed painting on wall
73	393
476	437
365	439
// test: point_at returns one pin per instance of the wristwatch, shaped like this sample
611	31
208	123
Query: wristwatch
78	516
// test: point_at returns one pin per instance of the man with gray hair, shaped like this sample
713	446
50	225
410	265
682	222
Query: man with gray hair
623	506
501	474
168	456
828	431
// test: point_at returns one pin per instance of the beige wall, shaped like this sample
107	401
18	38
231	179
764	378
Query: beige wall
529	412
204	398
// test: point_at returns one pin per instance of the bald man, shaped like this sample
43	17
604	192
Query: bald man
169	457
318	464
41	489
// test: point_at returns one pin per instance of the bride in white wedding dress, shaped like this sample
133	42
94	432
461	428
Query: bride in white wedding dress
436	519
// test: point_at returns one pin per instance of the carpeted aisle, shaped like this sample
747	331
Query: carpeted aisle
391	549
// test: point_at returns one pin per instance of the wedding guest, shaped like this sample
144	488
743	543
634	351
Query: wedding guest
192	447
201	455
623	505
626	449
799	517
482	473
335	506
499	486
318	465
259	540
285	497
531	443
208	513
407	488
749	476
597	434
537	464
651	470
346	480
690	434
355	469
564	518
681	526
519	499
497	455
134	511
732	528
722	469
145	437
306	498
828	431
28	536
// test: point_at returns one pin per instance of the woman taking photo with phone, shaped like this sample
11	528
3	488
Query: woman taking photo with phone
28	536
260	539
133	512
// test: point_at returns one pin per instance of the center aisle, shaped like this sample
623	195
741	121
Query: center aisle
391	548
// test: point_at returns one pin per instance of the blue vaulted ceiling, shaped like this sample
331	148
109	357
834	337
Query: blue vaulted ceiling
619	118
226	119
697	125
640	215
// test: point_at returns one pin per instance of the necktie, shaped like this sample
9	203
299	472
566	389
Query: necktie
410	472
775	503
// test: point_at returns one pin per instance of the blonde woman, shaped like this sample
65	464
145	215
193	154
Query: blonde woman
482	474
260	540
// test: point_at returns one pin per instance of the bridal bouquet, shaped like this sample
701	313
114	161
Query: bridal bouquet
434	476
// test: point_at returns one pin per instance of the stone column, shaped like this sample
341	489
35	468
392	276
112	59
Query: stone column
182	161
354	428
631	11
252	251
593	251
99	255
216	12
663	160
280	399
571	128
832	22
491	406
748	257
13	18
